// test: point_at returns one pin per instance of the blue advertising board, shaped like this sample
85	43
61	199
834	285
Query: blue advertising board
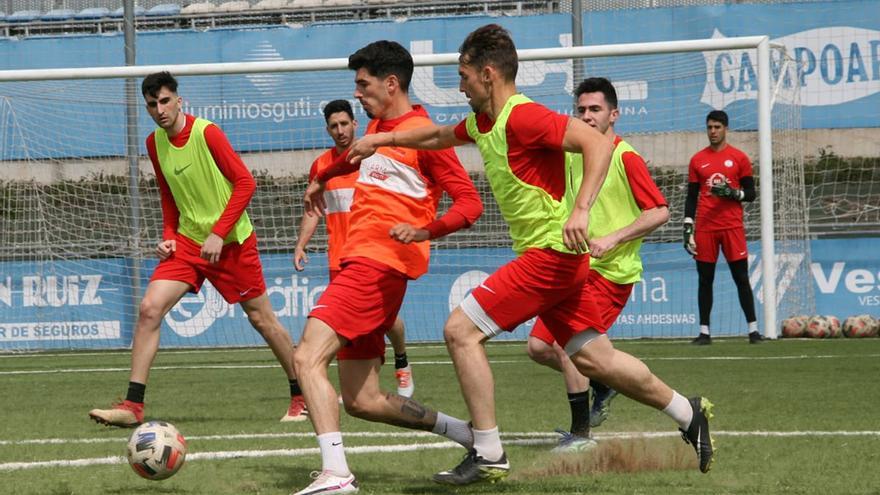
835	44
83	304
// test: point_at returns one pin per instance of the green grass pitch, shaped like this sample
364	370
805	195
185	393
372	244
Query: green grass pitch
791	417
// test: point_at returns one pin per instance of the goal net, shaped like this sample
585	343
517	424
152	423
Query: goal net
78	228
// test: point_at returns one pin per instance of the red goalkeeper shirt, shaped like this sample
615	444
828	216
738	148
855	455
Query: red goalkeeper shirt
709	167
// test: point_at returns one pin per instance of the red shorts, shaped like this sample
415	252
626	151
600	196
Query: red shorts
732	242
544	283
333	274
238	275
610	299
361	304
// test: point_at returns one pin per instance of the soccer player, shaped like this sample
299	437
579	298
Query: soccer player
523	146
393	216
338	194
205	188
628	207
719	181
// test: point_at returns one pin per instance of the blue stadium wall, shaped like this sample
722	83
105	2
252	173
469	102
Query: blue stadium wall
837	44
80	304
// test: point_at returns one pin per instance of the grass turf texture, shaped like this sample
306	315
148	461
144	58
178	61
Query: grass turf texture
231	400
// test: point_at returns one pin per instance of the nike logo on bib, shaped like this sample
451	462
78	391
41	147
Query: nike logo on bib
178	171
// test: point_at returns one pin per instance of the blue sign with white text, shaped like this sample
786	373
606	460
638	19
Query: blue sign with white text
88	304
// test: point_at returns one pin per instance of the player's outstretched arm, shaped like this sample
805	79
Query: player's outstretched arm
596	150
423	138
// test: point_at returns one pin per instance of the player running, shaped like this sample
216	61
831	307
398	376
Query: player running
338	195
393	216
523	146
205	188
628	207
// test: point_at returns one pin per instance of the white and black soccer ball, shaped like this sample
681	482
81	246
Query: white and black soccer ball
818	327
860	326
794	326
156	450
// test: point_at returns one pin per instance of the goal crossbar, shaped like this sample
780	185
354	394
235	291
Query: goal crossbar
761	44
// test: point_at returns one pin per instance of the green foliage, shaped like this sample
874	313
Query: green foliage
794	387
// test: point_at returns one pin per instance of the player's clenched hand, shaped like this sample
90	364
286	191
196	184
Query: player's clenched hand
300	258
601	246
365	147
314	199
211	248
406	233
166	248
574	232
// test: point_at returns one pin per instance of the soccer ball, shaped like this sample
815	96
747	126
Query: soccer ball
795	326
833	326
156	450
818	327
860	326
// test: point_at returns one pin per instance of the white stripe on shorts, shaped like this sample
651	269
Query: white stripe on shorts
478	316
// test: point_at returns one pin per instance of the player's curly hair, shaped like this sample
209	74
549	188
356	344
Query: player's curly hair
154	83
490	45
382	59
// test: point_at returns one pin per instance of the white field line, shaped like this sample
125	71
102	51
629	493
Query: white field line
536	438
424	434
432	363
416	346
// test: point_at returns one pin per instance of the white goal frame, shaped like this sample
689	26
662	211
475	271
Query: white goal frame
761	44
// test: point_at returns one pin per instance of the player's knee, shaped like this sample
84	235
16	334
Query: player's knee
150	311
259	321
540	352
360	408
304	361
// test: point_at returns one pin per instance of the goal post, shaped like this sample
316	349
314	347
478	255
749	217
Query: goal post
64	176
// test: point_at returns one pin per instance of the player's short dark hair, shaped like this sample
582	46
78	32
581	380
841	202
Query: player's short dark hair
154	83
337	106
382	59
717	116
598	85
490	45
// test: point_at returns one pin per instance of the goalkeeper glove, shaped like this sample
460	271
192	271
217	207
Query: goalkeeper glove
688	236
724	190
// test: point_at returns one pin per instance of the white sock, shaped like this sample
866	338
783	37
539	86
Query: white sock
680	410
333	453
488	444
704	329
454	429
753	326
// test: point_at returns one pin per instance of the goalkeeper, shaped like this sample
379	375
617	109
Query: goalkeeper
719	181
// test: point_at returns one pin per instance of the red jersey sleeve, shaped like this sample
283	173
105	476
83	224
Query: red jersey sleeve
231	166
644	189
170	213
461	132
692	171
745	166
313	171
444	168
536	126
